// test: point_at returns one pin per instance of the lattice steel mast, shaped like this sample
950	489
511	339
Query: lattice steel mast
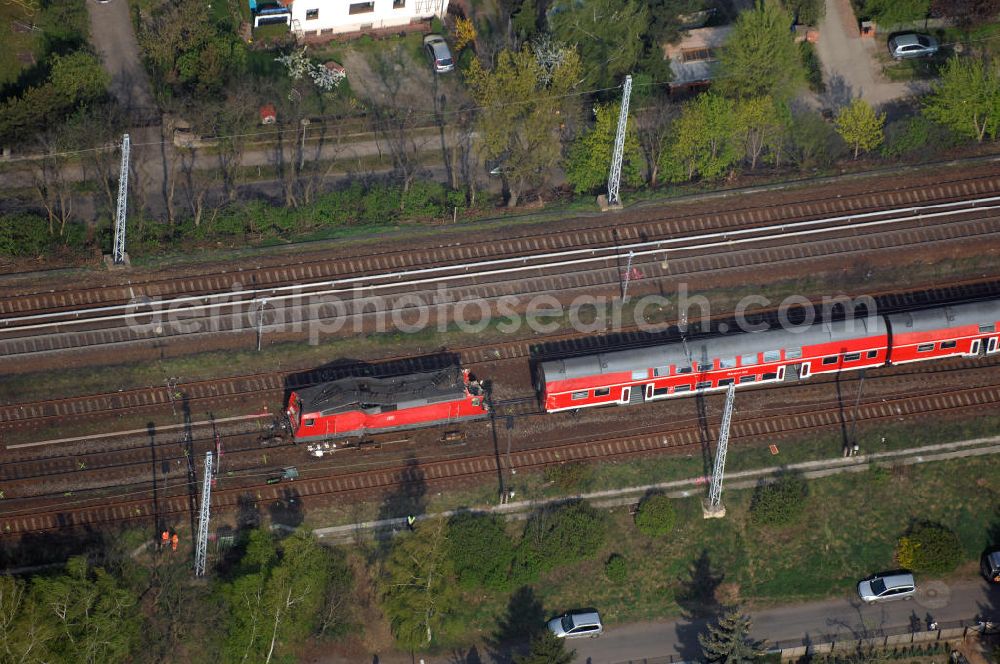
715	492
118	252
201	544
614	177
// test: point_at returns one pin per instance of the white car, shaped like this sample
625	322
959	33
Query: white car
439	53
887	586
577	624
912	45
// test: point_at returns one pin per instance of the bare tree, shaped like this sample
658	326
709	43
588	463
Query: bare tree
653	124
51	182
394	120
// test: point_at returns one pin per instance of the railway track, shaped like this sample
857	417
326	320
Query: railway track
317	311
270	388
597	231
174	499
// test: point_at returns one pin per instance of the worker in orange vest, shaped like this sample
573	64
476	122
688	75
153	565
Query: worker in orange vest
173	542
164	539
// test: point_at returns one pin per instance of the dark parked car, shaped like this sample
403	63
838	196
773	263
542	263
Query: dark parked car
439	53
912	45
990	564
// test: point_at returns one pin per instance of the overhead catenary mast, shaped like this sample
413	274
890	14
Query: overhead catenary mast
713	506
201	544
118	255
614	177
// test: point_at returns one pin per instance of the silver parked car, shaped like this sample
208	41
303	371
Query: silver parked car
912	45
576	624
439	53
887	586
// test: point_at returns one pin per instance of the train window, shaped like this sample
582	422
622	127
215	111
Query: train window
831	360
747	379
602	391
579	396
727	363
793	353
988	327
640	374
661	391
683	370
723	382
706	366
309	422
772	355
769	376
682	388
872	354
852	357
661	371
925	348
948	344
703	385
748	360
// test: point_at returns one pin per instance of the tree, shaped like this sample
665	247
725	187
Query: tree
860	127
729	642
607	33
760	57
965	13
967	98
590	154
79	77
523	104
546	648
277	598
94	618
24	631
759	124
653	124
418	593
706	142
779	502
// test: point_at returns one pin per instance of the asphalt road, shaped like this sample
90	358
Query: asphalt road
816	622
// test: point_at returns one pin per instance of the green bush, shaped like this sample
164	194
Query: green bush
656	516
425	199
814	70
24	234
779	502
929	547
917	136
559	536
480	549
616	569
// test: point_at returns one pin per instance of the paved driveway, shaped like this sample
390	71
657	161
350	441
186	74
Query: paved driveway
850	67
112	35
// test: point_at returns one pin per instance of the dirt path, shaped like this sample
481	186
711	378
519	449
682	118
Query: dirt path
850	67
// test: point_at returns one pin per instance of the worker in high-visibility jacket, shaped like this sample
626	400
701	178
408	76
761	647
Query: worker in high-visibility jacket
173	542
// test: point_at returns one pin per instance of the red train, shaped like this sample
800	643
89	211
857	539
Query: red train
357	406
678	369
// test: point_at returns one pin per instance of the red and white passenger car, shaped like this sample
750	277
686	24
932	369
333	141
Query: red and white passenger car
359	406
678	369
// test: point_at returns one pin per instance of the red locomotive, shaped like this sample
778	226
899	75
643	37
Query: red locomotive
678	369
359	406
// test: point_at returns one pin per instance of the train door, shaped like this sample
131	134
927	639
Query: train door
638	394
626	395
790	373
992	345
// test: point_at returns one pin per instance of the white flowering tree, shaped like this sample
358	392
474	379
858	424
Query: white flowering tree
299	66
